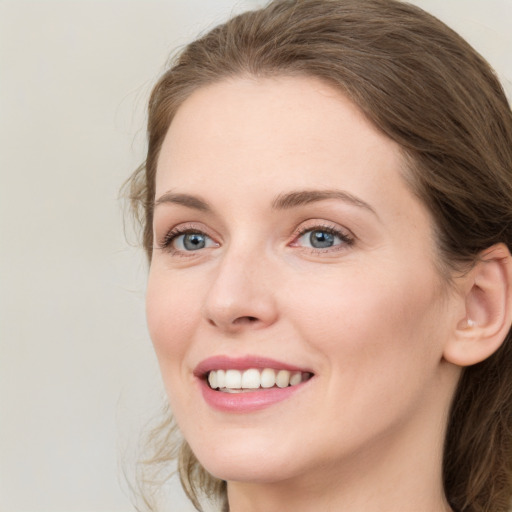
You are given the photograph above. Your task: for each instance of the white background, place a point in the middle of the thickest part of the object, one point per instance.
(78, 378)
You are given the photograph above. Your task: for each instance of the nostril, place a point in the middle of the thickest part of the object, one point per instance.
(245, 320)
(242, 320)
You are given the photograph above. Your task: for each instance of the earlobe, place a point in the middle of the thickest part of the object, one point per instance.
(488, 309)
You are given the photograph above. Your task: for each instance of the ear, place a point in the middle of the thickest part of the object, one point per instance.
(487, 291)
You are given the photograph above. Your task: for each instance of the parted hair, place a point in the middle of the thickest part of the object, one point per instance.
(427, 89)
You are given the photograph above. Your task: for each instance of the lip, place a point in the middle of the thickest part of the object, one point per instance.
(248, 401)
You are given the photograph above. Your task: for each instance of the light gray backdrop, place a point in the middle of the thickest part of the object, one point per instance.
(78, 378)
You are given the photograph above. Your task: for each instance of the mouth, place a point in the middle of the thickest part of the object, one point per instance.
(247, 384)
(252, 379)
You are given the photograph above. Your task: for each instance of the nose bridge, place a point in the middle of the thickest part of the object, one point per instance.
(240, 293)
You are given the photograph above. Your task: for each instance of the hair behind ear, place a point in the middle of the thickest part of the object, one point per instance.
(478, 445)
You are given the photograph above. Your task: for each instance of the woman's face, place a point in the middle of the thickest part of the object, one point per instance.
(286, 240)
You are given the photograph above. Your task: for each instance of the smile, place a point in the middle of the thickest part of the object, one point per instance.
(247, 384)
(237, 381)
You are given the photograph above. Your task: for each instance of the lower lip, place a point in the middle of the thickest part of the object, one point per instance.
(247, 401)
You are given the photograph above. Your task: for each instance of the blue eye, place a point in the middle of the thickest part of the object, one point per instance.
(192, 241)
(187, 241)
(322, 238)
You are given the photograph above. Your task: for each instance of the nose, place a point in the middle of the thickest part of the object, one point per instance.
(241, 294)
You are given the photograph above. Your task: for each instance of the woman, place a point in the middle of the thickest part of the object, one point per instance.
(327, 206)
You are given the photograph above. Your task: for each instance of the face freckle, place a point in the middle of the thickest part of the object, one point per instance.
(293, 239)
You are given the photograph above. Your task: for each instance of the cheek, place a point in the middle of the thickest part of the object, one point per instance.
(170, 313)
(369, 318)
(380, 347)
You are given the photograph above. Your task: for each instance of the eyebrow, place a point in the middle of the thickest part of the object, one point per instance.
(303, 197)
(185, 200)
(281, 202)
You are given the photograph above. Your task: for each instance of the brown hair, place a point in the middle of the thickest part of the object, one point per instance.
(424, 87)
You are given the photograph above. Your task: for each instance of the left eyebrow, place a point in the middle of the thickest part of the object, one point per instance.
(303, 197)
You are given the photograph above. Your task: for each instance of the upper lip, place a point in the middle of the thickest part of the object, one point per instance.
(243, 363)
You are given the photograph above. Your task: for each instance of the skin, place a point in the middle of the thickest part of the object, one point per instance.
(370, 318)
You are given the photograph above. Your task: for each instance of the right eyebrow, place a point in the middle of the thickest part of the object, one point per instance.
(183, 199)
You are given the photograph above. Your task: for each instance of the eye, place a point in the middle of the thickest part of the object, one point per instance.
(322, 238)
(319, 239)
(182, 241)
(192, 241)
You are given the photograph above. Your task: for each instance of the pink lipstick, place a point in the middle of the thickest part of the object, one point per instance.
(249, 383)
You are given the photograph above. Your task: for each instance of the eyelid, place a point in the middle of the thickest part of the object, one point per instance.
(319, 224)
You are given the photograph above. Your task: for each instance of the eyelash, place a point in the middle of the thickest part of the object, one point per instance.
(347, 240)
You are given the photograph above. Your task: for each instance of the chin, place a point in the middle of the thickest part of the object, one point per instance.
(248, 471)
(247, 461)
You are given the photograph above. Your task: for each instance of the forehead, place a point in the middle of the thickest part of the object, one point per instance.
(255, 127)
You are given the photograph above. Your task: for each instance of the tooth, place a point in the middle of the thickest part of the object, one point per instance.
(251, 379)
(268, 378)
(212, 379)
(221, 378)
(233, 379)
(296, 378)
(283, 378)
